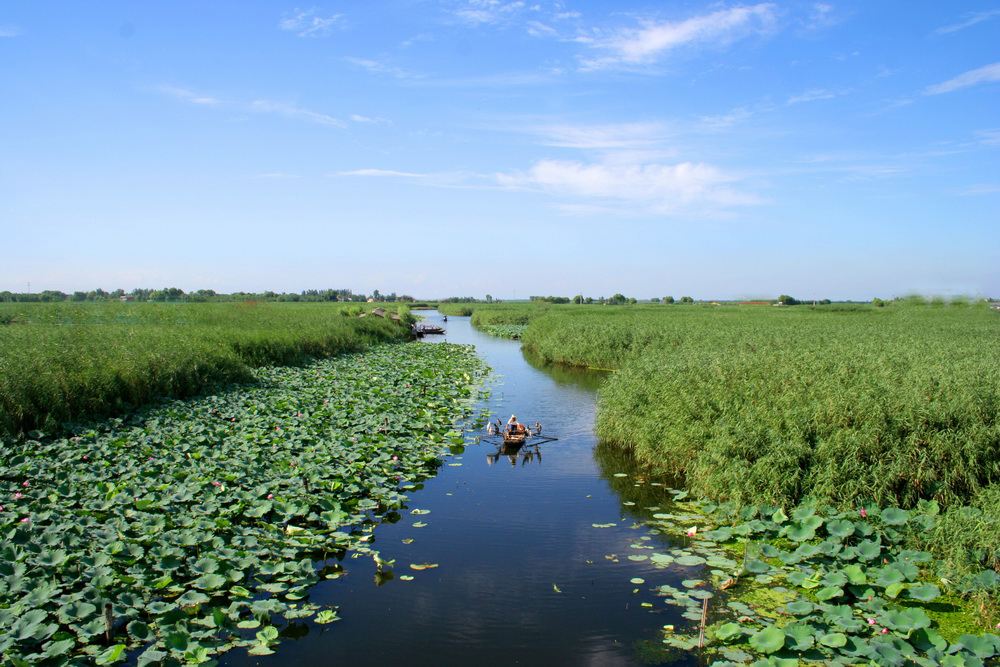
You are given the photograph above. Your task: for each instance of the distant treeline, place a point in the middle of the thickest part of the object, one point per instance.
(177, 294)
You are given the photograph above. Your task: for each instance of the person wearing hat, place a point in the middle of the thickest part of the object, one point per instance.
(514, 427)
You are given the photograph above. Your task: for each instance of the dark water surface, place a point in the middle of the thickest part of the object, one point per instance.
(505, 535)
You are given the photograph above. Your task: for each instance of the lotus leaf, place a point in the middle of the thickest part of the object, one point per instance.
(728, 631)
(768, 640)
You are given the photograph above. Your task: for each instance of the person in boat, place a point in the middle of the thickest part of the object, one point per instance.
(514, 427)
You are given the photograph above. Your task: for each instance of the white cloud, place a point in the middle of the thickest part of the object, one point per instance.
(600, 137)
(9, 31)
(293, 111)
(721, 122)
(639, 188)
(381, 173)
(982, 189)
(359, 118)
(188, 96)
(380, 67)
(308, 23)
(479, 12)
(539, 29)
(645, 45)
(989, 137)
(985, 74)
(969, 21)
(812, 95)
(262, 106)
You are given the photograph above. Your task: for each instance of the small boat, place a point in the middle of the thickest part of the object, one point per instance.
(514, 438)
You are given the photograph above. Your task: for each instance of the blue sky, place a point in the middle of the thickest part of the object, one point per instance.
(820, 149)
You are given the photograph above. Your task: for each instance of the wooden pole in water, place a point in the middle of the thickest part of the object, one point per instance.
(704, 620)
(108, 621)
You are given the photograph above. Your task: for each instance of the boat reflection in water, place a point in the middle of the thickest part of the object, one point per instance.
(513, 451)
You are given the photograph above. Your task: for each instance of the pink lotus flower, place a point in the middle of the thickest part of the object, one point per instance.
(86, 458)
(301, 415)
(277, 428)
(885, 631)
(150, 458)
(1, 508)
(395, 458)
(18, 495)
(270, 496)
(215, 483)
(25, 484)
(692, 531)
(25, 520)
(871, 621)
(864, 513)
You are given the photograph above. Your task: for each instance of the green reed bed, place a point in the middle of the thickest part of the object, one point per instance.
(200, 526)
(67, 361)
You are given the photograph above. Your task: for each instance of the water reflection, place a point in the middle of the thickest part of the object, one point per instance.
(512, 451)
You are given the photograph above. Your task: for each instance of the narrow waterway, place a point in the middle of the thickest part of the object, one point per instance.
(523, 576)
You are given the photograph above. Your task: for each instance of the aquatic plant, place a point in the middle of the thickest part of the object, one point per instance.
(76, 361)
(199, 526)
(844, 589)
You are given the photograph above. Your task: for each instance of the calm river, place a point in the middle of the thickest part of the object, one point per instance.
(524, 577)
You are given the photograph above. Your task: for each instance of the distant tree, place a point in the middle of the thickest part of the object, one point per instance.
(825, 302)
(79, 296)
(668, 299)
(578, 299)
(489, 298)
(655, 299)
(786, 300)
(878, 303)
(618, 299)
(633, 300)
(589, 299)
(687, 299)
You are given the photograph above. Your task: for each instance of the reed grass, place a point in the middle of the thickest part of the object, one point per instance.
(76, 361)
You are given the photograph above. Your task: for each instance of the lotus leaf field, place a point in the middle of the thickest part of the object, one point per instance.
(199, 526)
(843, 586)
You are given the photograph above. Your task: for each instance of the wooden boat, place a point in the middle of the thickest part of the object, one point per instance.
(514, 438)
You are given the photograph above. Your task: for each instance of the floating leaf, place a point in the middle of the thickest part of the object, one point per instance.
(768, 640)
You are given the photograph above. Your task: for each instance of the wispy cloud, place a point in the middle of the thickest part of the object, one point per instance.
(308, 22)
(813, 95)
(187, 95)
(294, 111)
(989, 137)
(381, 67)
(644, 189)
(9, 31)
(647, 44)
(260, 106)
(479, 12)
(721, 122)
(822, 15)
(599, 137)
(968, 21)
(381, 173)
(981, 189)
(359, 118)
(985, 74)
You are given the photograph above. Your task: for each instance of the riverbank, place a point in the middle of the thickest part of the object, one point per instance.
(196, 527)
(65, 362)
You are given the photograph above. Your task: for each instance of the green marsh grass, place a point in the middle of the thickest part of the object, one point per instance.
(67, 361)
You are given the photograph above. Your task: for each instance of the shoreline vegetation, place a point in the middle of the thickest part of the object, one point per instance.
(72, 362)
(194, 527)
(894, 404)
